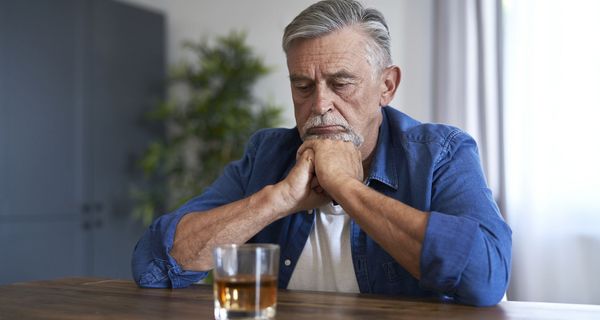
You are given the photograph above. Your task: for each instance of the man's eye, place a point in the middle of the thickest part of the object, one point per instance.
(302, 87)
(340, 85)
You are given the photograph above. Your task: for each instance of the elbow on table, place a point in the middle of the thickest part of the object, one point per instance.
(148, 281)
(151, 270)
(157, 273)
(486, 279)
(147, 274)
(156, 277)
(481, 297)
(486, 291)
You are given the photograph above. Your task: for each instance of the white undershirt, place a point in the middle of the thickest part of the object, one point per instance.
(326, 260)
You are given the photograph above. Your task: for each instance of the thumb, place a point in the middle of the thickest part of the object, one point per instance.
(306, 160)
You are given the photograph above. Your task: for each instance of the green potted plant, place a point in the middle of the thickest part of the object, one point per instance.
(206, 127)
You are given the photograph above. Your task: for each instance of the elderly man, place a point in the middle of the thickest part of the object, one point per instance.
(360, 197)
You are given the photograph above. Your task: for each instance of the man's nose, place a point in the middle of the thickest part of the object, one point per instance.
(323, 100)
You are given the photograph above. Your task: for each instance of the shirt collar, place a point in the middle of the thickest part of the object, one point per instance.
(383, 168)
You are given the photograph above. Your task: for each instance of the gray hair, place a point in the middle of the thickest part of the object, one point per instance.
(328, 16)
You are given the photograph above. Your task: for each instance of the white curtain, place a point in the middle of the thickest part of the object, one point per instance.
(552, 86)
(527, 89)
(467, 83)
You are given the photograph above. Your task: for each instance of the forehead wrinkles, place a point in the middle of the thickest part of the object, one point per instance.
(322, 65)
(326, 55)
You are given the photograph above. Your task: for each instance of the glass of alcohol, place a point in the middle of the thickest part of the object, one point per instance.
(245, 281)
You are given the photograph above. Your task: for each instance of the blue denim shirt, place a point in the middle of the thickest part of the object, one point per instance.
(466, 253)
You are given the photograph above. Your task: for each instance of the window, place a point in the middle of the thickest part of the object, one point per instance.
(552, 147)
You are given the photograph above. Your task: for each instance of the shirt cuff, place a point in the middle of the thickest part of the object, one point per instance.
(166, 265)
(446, 249)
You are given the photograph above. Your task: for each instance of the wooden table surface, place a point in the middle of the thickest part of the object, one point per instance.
(92, 298)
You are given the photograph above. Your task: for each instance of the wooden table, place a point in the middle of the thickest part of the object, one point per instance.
(91, 298)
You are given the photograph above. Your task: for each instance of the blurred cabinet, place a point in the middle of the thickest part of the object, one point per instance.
(75, 79)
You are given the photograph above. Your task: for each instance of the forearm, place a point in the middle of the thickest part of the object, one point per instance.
(198, 232)
(398, 228)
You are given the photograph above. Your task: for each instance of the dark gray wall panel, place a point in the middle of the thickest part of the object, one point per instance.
(32, 250)
(76, 77)
(129, 47)
(40, 151)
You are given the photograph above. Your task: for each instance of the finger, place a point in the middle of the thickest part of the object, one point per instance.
(307, 155)
(305, 146)
(306, 161)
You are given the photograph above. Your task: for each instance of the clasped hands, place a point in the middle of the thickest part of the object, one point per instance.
(323, 167)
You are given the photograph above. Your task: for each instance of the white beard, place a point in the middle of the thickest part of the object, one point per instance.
(330, 120)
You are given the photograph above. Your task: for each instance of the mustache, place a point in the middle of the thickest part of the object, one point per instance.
(325, 120)
(348, 133)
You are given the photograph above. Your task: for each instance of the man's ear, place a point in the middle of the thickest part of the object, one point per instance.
(390, 80)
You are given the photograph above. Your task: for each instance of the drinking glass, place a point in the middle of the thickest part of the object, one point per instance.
(245, 281)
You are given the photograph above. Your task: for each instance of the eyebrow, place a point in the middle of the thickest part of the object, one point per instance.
(342, 75)
(297, 77)
(337, 75)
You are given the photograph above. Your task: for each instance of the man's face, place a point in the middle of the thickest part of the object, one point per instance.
(336, 92)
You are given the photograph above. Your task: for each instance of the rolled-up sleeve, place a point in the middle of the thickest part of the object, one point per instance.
(466, 252)
(152, 264)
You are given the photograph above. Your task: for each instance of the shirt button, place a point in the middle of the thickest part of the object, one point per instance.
(287, 262)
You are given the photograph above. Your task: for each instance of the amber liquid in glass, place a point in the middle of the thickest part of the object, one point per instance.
(241, 293)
